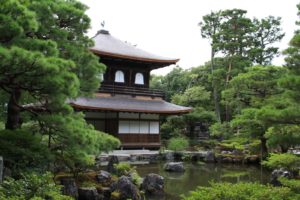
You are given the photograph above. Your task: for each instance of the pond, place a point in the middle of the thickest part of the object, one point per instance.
(200, 175)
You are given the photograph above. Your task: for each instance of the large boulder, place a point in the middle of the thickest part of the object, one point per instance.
(209, 156)
(1, 169)
(126, 189)
(69, 187)
(89, 193)
(277, 173)
(110, 167)
(104, 177)
(153, 184)
(174, 167)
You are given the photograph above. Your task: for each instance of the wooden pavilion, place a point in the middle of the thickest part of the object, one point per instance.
(124, 106)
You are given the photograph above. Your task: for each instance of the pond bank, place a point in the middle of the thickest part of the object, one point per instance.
(150, 156)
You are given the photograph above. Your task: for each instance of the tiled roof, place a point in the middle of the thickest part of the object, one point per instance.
(107, 45)
(128, 104)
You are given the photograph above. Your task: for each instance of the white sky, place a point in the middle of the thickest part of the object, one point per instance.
(170, 27)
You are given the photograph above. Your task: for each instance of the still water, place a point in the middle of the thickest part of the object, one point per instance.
(200, 175)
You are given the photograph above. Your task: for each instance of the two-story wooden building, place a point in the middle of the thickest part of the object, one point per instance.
(124, 106)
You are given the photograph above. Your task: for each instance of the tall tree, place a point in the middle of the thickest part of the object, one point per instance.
(235, 37)
(44, 61)
(42, 41)
(284, 112)
(234, 42)
(210, 27)
(267, 32)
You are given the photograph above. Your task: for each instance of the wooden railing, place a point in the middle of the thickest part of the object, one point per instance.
(134, 91)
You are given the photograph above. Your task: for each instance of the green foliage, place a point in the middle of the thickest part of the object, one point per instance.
(174, 82)
(287, 161)
(199, 114)
(123, 168)
(194, 96)
(267, 31)
(83, 141)
(234, 174)
(23, 149)
(178, 144)
(45, 62)
(221, 130)
(31, 186)
(252, 88)
(293, 184)
(173, 127)
(241, 191)
(283, 136)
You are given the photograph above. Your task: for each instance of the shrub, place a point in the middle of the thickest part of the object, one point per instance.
(287, 161)
(123, 169)
(221, 130)
(178, 144)
(241, 191)
(127, 170)
(293, 184)
(31, 186)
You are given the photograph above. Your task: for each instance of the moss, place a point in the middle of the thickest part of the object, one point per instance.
(115, 195)
(234, 174)
(61, 175)
(87, 184)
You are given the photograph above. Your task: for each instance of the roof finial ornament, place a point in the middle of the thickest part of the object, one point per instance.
(102, 30)
(103, 24)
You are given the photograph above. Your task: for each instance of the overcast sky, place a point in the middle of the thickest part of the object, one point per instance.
(170, 27)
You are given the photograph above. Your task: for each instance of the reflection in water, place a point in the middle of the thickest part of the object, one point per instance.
(200, 175)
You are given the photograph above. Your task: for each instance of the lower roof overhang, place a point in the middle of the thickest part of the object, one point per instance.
(121, 103)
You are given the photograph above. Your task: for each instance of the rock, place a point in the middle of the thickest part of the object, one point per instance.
(252, 159)
(178, 156)
(126, 189)
(237, 152)
(227, 160)
(174, 167)
(133, 158)
(277, 173)
(104, 177)
(110, 167)
(153, 159)
(209, 157)
(169, 155)
(1, 169)
(225, 152)
(105, 191)
(69, 187)
(7, 172)
(88, 194)
(153, 184)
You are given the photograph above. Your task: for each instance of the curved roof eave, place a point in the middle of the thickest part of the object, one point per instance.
(115, 55)
(91, 108)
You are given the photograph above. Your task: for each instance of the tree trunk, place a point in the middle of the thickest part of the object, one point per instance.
(215, 92)
(284, 149)
(228, 72)
(227, 109)
(264, 148)
(13, 111)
